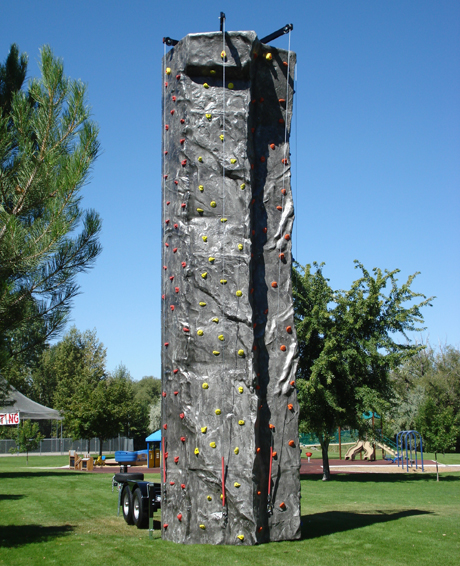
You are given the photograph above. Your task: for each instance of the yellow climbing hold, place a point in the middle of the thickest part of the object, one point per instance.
(243, 186)
(218, 411)
(269, 56)
(206, 85)
(200, 159)
(204, 238)
(208, 116)
(236, 484)
(223, 55)
(223, 220)
(212, 72)
(215, 319)
(216, 353)
(222, 137)
(200, 210)
(205, 385)
(213, 204)
(241, 353)
(223, 281)
(200, 332)
(241, 537)
(240, 246)
(201, 188)
(209, 498)
(221, 337)
(239, 293)
(230, 85)
(233, 161)
(240, 389)
(196, 451)
(212, 259)
(212, 444)
(168, 70)
(237, 450)
(204, 429)
(202, 304)
(202, 527)
(241, 422)
(221, 496)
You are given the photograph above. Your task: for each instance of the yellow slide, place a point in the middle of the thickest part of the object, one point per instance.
(360, 446)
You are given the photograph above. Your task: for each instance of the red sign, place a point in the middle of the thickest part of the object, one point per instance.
(9, 418)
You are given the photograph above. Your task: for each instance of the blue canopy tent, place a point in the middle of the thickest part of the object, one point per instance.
(155, 440)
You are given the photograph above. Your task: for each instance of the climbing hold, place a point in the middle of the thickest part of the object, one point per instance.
(281, 121)
(241, 353)
(183, 205)
(240, 389)
(212, 72)
(200, 332)
(202, 304)
(293, 383)
(179, 516)
(212, 444)
(212, 259)
(165, 426)
(230, 86)
(283, 191)
(216, 353)
(164, 267)
(181, 141)
(168, 71)
(176, 392)
(259, 529)
(221, 137)
(215, 319)
(196, 451)
(166, 344)
(263, 159)
(174, 250)
(291, 443)
(176, 289)
(274, 284)
(201, 188)
(236, 450)
(166, 127)
(259, 493)
(213, 204)
(240, 246)
(172, 111)
(282, 505)
(182, 121)
(204, 238)
(176, 459)
(223, 220)
(236, 484)
(206, 85)
(166, 244)
(233, 161)
(289, 329)
(200, 210)
(279, 208)
(209, 116)
(239, 293)
(176, 226)
(269, 56)
(284, 161)
(287, 237)
(223, 281)
(271, 426)
(290, 406)
(171, 278)
(202, 527)
(182, 415)
(243, 186)
(167, 221)
(204, 275)
(205, 385)
(274, 454)
(168, 202)
(185, 329)
(281, 256)
(164, 393)
(241, 422)
(175, 370)
(209, 498)
(200, 159)
(218, 411)
(177, 77)
(183, 264)
(221, 337)
(223, 55)
(165, 525)
(283, 348)
(204, 429)
(272, 145)
(182, 485)
(183, 163)
(182, 438)
(257, 450)
(174, 99)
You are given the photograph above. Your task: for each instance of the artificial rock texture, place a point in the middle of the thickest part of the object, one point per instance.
(231, 456)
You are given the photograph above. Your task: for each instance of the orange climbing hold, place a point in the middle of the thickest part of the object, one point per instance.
(271, 426)
(262, 159)
(274, 284)
(290, 406)
(293, 383)
(283, 348)
(279, 208)
(257, 450)
(281, 256)
(284, 161)
(272, 145)
(282, 505)
(291, 443)
(274, 454)
(283, 191)
(287, 237)
(289, 329)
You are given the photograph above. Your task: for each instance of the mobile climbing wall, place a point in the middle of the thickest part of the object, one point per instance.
(230, 451)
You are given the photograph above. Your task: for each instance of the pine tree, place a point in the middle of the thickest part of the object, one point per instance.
(47, 147)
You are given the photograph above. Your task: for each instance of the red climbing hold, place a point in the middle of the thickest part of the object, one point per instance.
(176, 182)
(176, 459)
(183, 205)
(274, 284)
(182, 140)
(165, 176)
(289, 329)
(179, 516)
(165, 525)
(253, 101)
(182, 438)
(176, 289)
(281, 100)
(171, 278)
(174, 250)
(284, 161)
(281, 121)
(254, 348)
(252, 165)
(165, 426)
(167, 221)
(174, 99)
(176, 392)
(172, 483)
(263, 159)
(287, 237)
(166, 153)
(184, 264)
(185, 329)
(172, 307)
(290, 406)
(176, 226)
(164, 393)
(168, 202)
(253, 130)
(261, 99)
(266, 311)
(279, 208)
(177, 77)
(163, 297)
(166, 244)
(183, 163)
(182, 415)
(253, 232)
(175, 370)
(182, 121)
(164, 267)
(166, 344)
(265, 230)
(285, 63)
(182, 485)
(166, 85)
(283, 348)
(172, 111)
(166, 127)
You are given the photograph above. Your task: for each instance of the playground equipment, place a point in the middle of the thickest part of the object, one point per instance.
(361, 446)
(402, 438)
(83, 463)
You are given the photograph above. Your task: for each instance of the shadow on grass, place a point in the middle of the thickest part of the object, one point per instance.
(331, 522)
(11, 497)
(20, 535)
(383, 478)
(38, 474)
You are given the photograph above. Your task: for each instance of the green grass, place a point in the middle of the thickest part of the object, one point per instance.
(69, 518)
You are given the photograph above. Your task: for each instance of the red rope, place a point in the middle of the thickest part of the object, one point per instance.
(223, 483)
(270, 470)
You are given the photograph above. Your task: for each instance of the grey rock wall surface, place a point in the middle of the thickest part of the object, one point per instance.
(231, 457)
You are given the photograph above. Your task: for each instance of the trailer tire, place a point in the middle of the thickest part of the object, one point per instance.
(127, 505)
(121, 478)
(140, 512)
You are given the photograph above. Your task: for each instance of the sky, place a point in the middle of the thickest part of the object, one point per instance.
(375, 144)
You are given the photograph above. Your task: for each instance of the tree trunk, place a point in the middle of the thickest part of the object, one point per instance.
(324, 448)
(88, 441)
(101, 440)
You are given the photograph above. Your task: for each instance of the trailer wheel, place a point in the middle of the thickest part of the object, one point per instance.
(140, 513)
(127, 504)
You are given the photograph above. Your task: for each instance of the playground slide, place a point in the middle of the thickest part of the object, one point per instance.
(368, 451)
(387, 449)
(360, 446)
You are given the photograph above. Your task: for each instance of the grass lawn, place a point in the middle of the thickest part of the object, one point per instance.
(69, 518)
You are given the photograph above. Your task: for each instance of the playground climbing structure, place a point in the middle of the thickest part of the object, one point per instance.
(230, 453)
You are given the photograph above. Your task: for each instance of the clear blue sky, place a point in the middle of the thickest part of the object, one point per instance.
(376, 143)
